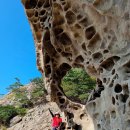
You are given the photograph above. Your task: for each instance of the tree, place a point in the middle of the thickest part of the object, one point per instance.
(77, 84)
(39, 83)
(15, 86)
(39, 91)
(21, 96)
(20, 93)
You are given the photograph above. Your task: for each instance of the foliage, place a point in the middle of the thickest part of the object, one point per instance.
(22, 99)
(39, 91)
(21, 96)
(21, 111)
(77, 84)
(7, 113)
(38, 81)
(13, 87)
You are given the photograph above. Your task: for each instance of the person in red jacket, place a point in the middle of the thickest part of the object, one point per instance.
(56, 121)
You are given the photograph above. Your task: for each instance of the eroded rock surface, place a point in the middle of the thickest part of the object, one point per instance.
(94, 35)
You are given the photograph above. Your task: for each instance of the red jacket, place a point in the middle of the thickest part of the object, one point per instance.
(56, 121)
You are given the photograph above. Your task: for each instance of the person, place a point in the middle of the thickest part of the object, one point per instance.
(56, 121)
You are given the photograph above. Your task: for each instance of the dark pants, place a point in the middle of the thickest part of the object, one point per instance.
(54, 128)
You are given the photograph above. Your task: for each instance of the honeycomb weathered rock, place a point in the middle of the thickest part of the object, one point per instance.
(94, 35)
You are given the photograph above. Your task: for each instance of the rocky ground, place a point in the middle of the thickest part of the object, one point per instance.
(37, 118)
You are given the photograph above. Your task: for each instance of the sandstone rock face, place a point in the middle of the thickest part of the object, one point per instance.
(94, 35)
(15, 120)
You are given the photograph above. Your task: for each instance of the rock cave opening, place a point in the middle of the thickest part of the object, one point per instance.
(77, 85)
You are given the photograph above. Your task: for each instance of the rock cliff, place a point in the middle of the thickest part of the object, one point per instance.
(94, 35)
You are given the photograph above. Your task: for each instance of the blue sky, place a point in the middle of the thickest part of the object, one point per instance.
(17, 52)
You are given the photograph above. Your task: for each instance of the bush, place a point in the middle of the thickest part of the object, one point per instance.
(21, 97)
(39, 91)
(21, 111)
(77, 85)
(24, 98)
(7, 113)
(19, 92)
